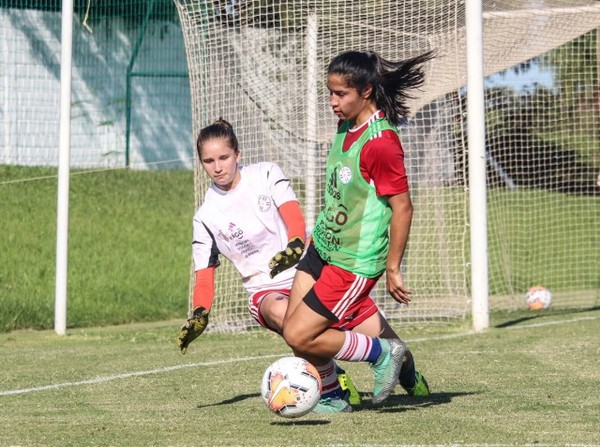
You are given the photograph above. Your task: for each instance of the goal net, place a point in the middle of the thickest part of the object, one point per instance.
(261, 65)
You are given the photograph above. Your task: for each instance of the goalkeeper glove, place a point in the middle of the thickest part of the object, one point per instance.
(193, 328)
(287, 258)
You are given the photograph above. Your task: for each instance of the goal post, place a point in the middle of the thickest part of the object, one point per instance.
(477, 167)
(62, 208)
(261, 65)
(310, 206)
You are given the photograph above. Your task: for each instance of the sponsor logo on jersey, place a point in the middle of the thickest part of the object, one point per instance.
(345, 175)
(235, 232)
(264, 203)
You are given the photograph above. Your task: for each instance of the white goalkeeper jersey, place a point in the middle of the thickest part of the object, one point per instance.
(244, 225)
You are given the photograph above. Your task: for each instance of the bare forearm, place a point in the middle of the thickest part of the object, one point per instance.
(402, 212)
(399, 230)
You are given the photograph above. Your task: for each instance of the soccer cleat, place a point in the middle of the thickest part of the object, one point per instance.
(330, 405)
(387, 368)
(421, 387)
(347, 386)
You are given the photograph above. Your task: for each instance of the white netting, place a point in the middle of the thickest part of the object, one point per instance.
(261, 65)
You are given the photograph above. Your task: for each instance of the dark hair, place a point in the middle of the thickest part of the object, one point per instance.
(389, 80)
(218, 129)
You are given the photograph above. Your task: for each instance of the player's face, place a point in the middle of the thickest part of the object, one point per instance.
(220, 161)
(347, 103)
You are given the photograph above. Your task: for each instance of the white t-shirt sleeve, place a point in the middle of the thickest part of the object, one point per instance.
(279, 185)
(204, 248)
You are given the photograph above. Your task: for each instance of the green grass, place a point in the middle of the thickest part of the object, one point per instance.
(129, 246)
(530, 379)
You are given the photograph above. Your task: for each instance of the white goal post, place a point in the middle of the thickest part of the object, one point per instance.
(62, 209)
(260, 64)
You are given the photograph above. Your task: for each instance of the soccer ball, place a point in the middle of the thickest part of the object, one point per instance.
(538, 298)
(291, 387)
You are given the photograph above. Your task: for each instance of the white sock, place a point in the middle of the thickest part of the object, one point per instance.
(356, 348)
(329, 380)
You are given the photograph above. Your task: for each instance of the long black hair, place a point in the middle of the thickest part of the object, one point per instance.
(390, 80)
(218, 129)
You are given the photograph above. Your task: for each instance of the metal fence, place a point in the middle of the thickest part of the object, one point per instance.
(130, 89)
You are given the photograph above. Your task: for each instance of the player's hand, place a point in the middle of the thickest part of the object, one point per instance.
(286, 258)
(396, 287)
(193, 328)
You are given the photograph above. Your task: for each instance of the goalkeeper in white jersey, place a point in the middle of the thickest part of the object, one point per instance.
(251, 216)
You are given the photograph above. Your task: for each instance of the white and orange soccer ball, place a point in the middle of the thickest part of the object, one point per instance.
(291, 387)
(538, 298)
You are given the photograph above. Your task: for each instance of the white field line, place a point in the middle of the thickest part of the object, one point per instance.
(104, 379)
(551, 323)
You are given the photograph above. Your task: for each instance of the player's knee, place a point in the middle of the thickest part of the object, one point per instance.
(294, 337)
(288, 334)
(274, 315)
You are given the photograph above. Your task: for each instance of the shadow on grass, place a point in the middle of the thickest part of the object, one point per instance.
(241, 397)
(303, 421)
(233, 400)
(399, 403)
(543, 314)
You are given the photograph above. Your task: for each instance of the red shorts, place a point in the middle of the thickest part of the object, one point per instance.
(338, 295)
(255, 301)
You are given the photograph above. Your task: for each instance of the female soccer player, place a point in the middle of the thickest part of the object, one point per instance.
(364, 226)
(251, 216)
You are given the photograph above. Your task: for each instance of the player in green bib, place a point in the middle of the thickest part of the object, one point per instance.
(363, 229)
(351, 233)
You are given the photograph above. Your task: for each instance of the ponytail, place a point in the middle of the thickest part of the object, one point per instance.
(389, 80)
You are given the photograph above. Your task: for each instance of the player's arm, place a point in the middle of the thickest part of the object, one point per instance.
(402, 211)
(204, 292)
(383, 161)
(206, 259)
(291, 214)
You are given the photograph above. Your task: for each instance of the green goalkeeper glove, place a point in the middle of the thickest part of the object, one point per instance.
(193, 328)
(287, 258)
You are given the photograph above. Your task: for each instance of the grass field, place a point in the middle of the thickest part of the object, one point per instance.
(531, 379)
(130, 238)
